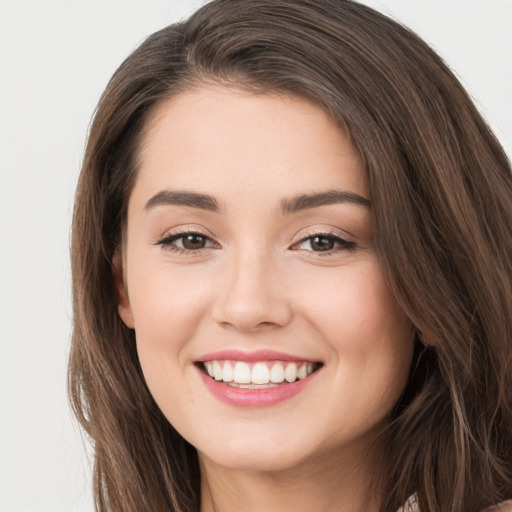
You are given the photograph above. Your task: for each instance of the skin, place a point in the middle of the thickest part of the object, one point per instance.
(259, 283)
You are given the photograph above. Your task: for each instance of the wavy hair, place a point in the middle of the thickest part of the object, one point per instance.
(441, 190)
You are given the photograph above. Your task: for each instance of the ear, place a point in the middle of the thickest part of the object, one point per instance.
(123, 302)
(423, 340)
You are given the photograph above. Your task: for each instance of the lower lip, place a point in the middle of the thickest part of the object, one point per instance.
(241, 397)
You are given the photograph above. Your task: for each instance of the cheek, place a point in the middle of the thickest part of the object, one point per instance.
(168, 308)
(370, 338)
(166, 303)
(354, 303)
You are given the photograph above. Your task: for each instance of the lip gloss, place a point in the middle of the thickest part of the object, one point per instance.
(243, 397)
(257, 355)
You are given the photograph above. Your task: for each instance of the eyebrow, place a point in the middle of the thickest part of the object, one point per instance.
(179, 198)
(307, 201)
(288, 206)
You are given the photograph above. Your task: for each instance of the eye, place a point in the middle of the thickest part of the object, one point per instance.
(193, 241)
(187, 242)
(325, 243)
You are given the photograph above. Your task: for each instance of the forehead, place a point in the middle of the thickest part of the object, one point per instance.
(226, 141)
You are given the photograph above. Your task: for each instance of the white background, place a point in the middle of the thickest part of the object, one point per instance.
(55, 59)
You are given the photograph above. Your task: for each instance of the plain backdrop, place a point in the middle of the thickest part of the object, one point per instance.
(55, 59)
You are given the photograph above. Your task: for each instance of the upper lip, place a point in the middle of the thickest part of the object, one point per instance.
(250, 356)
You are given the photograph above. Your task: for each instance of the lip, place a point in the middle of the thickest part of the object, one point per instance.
(242, 397)
(257, 355)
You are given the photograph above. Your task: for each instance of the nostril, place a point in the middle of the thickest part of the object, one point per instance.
(251, 307)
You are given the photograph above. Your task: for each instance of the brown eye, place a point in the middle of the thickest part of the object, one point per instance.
(193, 241)
(187, 242)
(325, 243)
(322, 243)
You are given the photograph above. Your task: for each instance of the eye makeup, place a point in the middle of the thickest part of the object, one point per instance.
(322, 243)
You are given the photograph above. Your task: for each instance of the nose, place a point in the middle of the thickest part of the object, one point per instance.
(252, 297)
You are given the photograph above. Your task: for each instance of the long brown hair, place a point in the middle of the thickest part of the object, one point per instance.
(441, 190)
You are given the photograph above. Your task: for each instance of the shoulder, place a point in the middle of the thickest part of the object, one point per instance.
(506, 506)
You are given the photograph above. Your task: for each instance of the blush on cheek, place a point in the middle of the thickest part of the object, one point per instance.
(170, 300)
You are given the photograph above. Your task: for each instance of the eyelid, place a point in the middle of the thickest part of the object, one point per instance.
(346, 243)
(185, 229)
(326, 231)
(343, 242)
(165, 240)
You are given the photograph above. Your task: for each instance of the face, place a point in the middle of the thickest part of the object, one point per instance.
(264, 327)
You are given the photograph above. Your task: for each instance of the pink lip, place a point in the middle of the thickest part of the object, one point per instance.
(240, 397)
(257, 355)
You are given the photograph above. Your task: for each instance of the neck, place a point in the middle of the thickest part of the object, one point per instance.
(335, 482)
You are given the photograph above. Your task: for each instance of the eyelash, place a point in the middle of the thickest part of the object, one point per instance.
(168, 242)
(341, 244)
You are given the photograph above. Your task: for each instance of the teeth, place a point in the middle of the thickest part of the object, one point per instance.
(242, 373)
(217, 370)
(252, 386)
(209, 368)
(277, 373)
(260, 374)
(263, 374)
(227, 373)
(290, 372)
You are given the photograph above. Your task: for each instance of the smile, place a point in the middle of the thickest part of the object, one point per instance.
(258, 375)
(257, 379)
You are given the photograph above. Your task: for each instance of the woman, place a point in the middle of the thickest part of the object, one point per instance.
(292, 272)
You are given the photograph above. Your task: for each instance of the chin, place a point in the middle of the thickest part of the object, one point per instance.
(254, 453)
(256, 459)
